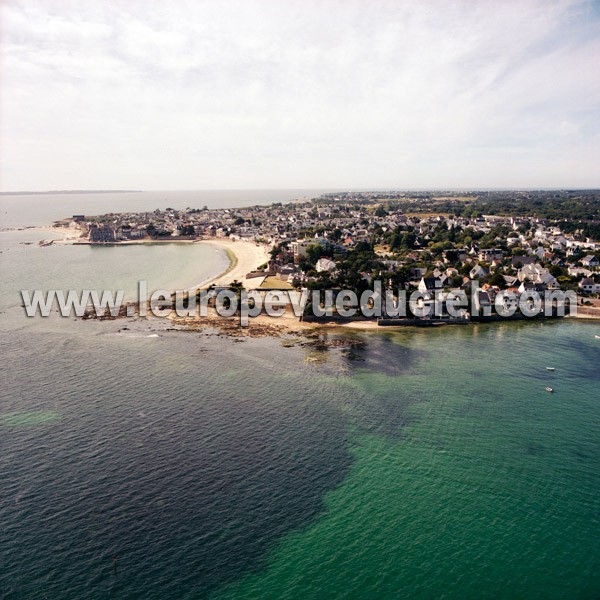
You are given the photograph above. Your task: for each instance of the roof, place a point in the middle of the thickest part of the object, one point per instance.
(524, 260)
(431, 283)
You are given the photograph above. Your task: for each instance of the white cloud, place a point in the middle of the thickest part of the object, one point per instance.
(300, 94)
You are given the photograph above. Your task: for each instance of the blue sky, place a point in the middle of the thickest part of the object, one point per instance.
(259, 94)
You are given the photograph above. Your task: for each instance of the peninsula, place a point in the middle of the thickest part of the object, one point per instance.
(437, 243)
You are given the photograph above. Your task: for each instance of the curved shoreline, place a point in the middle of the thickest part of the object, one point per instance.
(244, 257)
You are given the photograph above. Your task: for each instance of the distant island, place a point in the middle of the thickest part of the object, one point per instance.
(28, 193)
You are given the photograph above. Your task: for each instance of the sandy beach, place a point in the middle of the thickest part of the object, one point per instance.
(69, 235)
(247, 256)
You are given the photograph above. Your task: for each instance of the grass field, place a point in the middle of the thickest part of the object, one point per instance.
(274, 283)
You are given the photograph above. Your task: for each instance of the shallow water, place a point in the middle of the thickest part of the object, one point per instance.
(429, 464)
(27, 266)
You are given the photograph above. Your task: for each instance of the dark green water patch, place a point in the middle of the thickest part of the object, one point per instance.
(189, 466)
(28, 419)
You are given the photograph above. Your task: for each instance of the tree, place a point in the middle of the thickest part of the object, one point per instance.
(497, 280)
(188, 230)
(336, 234)
(456, 281)
(408, 240)
(314, 252)
(281, 248)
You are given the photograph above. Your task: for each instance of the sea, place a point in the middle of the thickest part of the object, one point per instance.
(427, 464)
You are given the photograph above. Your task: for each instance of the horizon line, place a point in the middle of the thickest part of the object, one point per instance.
(340, 189)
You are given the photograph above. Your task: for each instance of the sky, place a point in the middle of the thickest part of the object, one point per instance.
(174, 95)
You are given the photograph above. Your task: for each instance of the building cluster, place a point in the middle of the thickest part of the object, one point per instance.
(516, 253)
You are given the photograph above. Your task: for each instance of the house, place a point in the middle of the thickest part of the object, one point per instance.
(443, 277)
(483, 302)
(478, 271)
(299, 248)
(466, 284)
(520, 261)
(451, 305)
(285, 272)
(576, 271)
(589, 286)
(490, 254)
(429, 284)
(529, 272)
(510, 280)
(456, 255)
(325, 264)
(530, 286)
(127, 232)
(417, 272)
(508, 301)
(590, 261)
(103, 233)
(537, 274)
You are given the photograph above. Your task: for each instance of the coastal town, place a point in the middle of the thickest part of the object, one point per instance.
(507, 243)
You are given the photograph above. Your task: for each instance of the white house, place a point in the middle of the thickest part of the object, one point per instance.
(589, 286)
(325, 264)
(575, 271)
(478, 271)
(537, 274)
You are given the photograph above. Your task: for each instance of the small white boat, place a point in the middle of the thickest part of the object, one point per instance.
(549, 389)
(597, 337)
(549, 368)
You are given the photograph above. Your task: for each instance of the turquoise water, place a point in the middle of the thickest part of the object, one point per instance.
(469, 482)
(430, 464)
